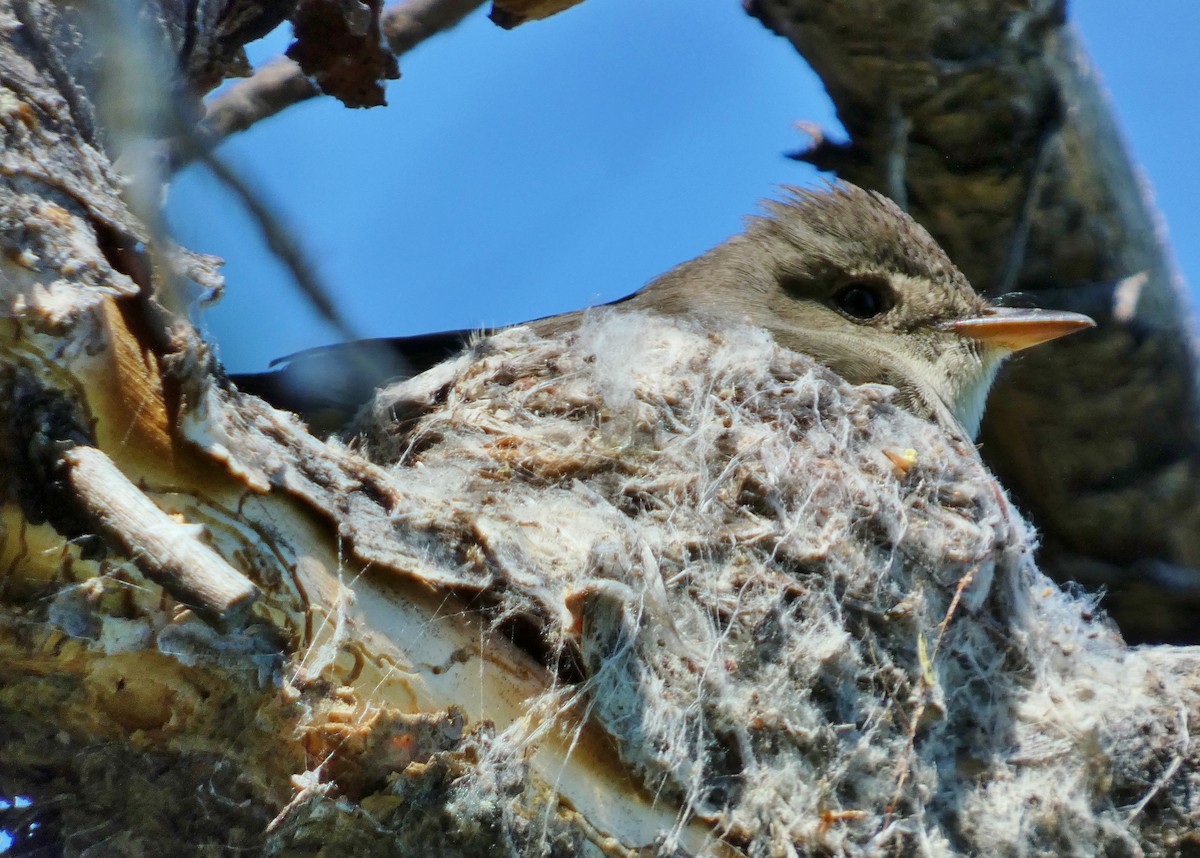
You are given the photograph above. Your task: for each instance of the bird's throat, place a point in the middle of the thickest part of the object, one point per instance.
(969, 403)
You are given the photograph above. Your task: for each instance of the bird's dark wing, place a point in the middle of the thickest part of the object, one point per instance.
(327, 386)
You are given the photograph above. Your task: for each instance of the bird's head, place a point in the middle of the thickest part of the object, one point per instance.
(845, 276)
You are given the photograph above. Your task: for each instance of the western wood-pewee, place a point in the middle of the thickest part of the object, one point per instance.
(840, 274)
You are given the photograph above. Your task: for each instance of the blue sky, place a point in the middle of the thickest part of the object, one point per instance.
(565, 163)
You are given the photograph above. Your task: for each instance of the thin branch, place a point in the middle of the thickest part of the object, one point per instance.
(406, 25)
(279, 239)
(1014, 261)
(273, 87)
(280, 84)
(896, 159)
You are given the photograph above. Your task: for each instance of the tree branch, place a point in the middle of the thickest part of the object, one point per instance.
(280, 84)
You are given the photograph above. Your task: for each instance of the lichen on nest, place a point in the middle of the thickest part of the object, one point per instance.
(798, 610)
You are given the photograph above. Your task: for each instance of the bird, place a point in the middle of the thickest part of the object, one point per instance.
(838, 273)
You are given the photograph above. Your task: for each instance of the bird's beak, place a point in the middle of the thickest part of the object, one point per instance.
(1013, 328)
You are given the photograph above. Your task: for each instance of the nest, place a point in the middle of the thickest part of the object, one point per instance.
(798, 610)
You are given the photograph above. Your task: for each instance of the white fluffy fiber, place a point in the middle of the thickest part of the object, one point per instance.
(799, 611)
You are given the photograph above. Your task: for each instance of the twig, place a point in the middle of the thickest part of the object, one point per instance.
(279, 240)
(926, 683)
(1172, 769)
(273, 87)
(896, 159)
(1014, 261)
(166, 550)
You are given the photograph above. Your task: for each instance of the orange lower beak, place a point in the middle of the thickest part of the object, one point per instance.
(1013, 329)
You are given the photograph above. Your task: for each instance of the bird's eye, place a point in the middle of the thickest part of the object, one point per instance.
(863, 299)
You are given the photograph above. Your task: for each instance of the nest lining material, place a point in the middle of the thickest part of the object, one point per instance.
(799, 610)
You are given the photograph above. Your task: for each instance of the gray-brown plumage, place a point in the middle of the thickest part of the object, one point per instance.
(840, 274)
